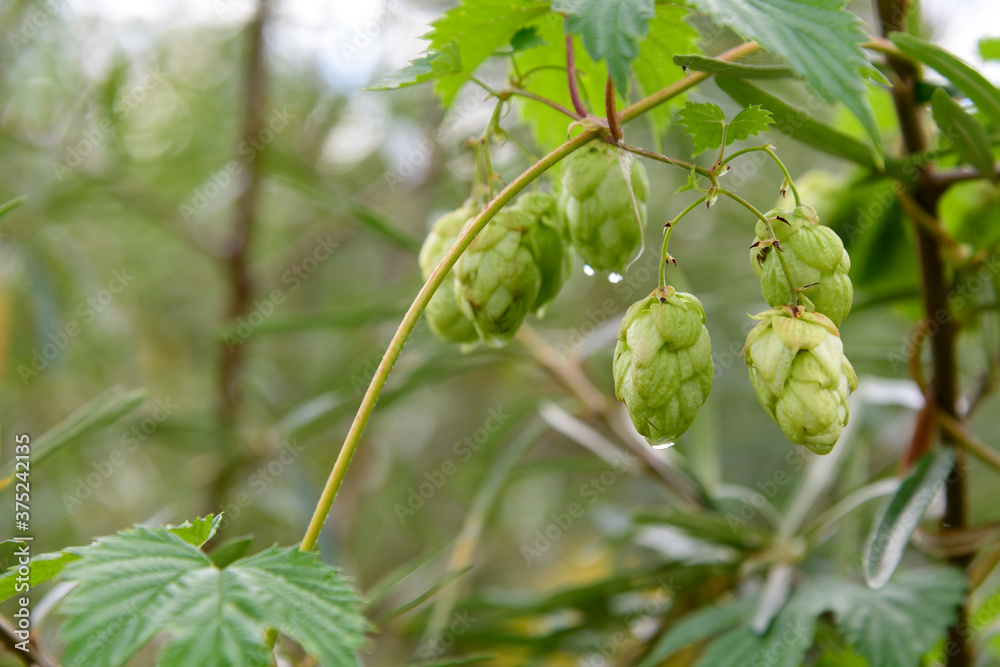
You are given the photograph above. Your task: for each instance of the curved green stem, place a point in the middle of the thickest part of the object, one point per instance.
(437, 276)
(485, 141)
(774, 156)
(770, 230)
(664, 257)
(784, 170)
(666, 159)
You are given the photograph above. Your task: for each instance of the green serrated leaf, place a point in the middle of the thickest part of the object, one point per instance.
(145, 582)
(989, 48)
(895, 625)
(968, 80)
(475, 29)
(736, 70)
(429, 67)
(747, 123)
(692, 182)
(669, 34)
(611, 31)
(800, 125)
(819, 39)
(891, 532)
(199, 531)
(964, 132)
(705, 123)
(526, 38)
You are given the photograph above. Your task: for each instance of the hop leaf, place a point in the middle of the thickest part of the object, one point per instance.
(663, 363)
(144, 582)
(816, 259)
(596, 204)
(800, 375)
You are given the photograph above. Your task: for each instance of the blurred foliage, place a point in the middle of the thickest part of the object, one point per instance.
(124, 140)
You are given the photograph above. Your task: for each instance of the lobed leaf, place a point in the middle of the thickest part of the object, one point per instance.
(819, 39)
(145, 582)
(611, 31)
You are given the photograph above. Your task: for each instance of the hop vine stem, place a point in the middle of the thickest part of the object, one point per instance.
(437, 276)
(927, 193)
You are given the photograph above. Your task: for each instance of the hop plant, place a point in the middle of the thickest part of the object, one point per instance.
(800, 375)
(816, 259)
(596, 204)
(445, 318)
(663, 363)
(545, 240)
(515, 266)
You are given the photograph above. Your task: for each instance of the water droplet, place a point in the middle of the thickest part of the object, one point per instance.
(664, 445)
(588, 269)
(615, 278)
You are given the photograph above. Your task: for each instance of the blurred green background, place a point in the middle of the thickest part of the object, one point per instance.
(121, 127)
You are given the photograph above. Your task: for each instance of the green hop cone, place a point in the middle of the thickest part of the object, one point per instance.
(815, 257)
(663, 363)
(800, 375)
(443, 314)
(545, 241)
(596, 205)
(515, 266)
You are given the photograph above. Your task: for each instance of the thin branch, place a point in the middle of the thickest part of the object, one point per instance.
(609, 106)
(236, 253)
(544, 100)
(34, 655)
(666, 159)
(968, 441)
(574, 87)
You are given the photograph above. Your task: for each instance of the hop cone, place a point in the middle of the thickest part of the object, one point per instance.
(515, 266)
(545, 241)
(597, 206)
(815, 256)
(800, 375)
(663, 363)
(443, 314)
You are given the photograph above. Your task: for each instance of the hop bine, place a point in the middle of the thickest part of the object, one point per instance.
(663, 363)
(815, 256)
(596, 204)
(800, 375)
